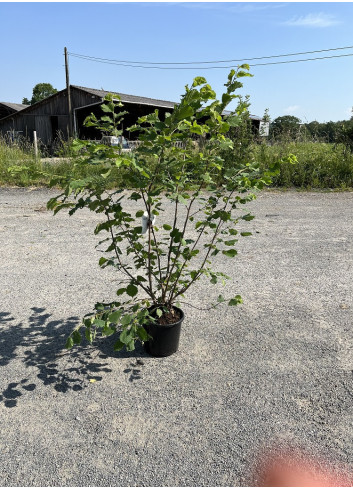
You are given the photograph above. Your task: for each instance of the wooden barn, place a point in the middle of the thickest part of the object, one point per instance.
(50, 117)
(8, 108)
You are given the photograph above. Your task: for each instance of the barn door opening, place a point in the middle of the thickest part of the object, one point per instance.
(54, 121)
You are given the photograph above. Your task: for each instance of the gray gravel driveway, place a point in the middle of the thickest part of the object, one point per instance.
(278, 369)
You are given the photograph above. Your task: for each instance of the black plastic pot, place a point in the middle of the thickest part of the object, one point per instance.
(165, 339)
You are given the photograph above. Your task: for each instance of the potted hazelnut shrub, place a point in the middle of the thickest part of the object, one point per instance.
(159, 259)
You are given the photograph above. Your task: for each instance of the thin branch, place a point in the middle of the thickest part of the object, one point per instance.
(184, 289)
(170, 245)
(122, 267)
(184, 229)
(203, 308)
(129, 238)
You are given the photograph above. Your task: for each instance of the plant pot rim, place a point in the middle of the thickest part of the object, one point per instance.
(182, 315)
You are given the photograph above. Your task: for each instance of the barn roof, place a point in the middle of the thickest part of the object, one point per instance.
(16, 107)
(134, 99)
(253, 117)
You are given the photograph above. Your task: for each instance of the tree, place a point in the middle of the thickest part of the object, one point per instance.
(288, 125)
(40, 92)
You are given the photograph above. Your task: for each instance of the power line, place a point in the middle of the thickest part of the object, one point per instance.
(300, 60)
(116, 63)
(206, 62)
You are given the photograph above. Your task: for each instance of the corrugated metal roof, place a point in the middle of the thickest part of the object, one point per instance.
(254, 117)
(133, 99)
(16, 107)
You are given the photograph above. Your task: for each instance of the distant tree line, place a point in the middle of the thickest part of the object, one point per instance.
(290, 127)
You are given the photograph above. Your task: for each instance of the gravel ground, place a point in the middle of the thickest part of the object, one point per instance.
(275, 370)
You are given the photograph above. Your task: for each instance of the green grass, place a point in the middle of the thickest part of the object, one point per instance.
(320, 166)
(12, 155)
(22, 156)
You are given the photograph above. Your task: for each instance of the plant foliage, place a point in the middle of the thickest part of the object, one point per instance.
(177, 165)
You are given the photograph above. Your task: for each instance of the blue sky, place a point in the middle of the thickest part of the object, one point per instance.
(35, 35)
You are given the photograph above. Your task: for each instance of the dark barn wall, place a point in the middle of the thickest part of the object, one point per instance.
(255, 125)
(18, 123)
(134, 112)
(80, 98)
(49, 118)
(45, 125)
(5, 111)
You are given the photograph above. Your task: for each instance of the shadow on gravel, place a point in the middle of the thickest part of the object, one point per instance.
(105, 345)
(41, 343)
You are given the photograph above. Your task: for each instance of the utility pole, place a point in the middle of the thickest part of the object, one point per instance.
(68, 92)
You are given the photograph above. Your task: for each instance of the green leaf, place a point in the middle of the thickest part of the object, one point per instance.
(159, 313)
(235, 301)
(185, 112)
(196, 128)
(220, 298)
(248, 217)
(102, 260)
(106, 108)
(243, 73)
(107, 330)
(142, 333)
(224, 127)
(231, 242)
(114, 316)
(231, 253)
(244, 233)
(139, 214)
(126, 336)
(140, 278)
(99, 323)
(89, 335)
(126, 320)
(130, 346)
(121, 291)
(119, 345)
(76, 336)
(69, 343)
(167, 227)
(234, 120)
(226, 98)
(176, 235)
(198, 80)
(88, 322)
(131, 290)
(106, 174)
(135, 196)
